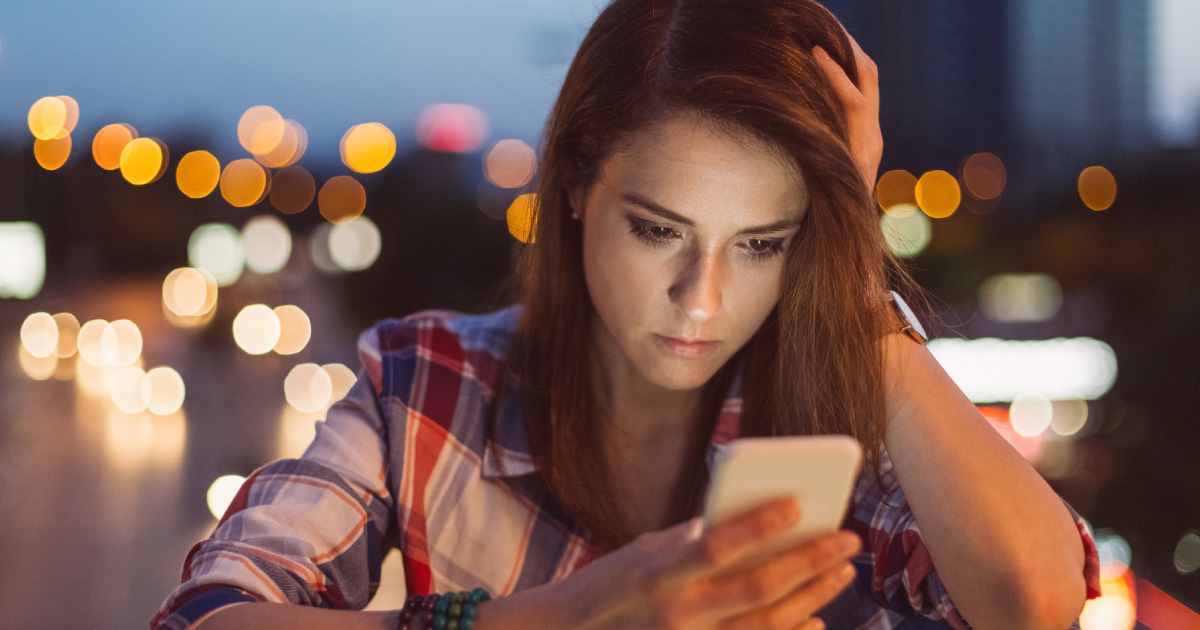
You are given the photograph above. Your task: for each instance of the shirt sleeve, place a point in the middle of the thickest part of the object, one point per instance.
(903, 578)
(310, 531)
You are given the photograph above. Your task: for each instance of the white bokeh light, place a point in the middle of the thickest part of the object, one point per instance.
(308, 388)
(267, 242)
(221, 493)
(218, 248)
(256, 329)
(355, 245)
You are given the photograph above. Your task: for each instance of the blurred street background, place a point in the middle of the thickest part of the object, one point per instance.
(202, 205)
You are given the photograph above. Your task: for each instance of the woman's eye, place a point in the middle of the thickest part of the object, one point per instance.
(761, 248)
(653, 234)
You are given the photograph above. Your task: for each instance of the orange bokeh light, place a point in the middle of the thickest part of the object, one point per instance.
(938, 194)
(341, 199)
(244, 183)
(292, 189)
(1097, 188)
(52, 154)
(198, 174)
(109, 142)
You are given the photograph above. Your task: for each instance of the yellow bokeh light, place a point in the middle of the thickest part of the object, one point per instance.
(36, 368)
(521, 218)
(256, 329)
(341, 199)
(97, 343)
(289, 149)
(48, 118)
(295, 329)
(72, 114)
(895, 188)
(244, 183)
(510, 164)
(129, 343)
(368, 147)
(68, 335)
(260, 129)
(292, 189)
(198, 174)
(938, 194)
(52, 154)
(984, 176)
(308, 388)
(39, 335)
(143, 160)
(163, 391)
(1097, 188)
(109, 144)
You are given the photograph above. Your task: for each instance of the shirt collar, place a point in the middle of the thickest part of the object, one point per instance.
(507, 455)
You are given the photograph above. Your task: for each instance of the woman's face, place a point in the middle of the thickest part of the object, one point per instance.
(684, 234)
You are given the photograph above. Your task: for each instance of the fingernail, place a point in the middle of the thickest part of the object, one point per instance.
(788, 512)
(847, 573)
(820, 52)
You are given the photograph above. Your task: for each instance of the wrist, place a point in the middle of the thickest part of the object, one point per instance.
(537, 607)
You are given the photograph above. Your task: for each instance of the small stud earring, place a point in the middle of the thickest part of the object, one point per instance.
(575, 215)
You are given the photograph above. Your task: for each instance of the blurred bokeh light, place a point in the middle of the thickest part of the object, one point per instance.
(521, 218)
(1011, 297)
(218, 248)
(355, 245)
(256, 329)
(341, 199)
(1097, 187)
(109, 144)
(267, 243)
(197, 174)
(244, 183)
(295, 329)
(454, 127)
(368, 147)
(292, 189)
(22, 259)
(510, 163)
(938, 194)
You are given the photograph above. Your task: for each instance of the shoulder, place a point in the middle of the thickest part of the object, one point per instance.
(398, 353)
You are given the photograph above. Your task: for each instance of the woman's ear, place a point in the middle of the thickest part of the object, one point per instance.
(575, 198)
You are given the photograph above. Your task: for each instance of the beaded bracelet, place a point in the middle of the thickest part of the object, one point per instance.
(448, 611)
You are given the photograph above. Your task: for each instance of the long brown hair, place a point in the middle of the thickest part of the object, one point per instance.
(815, 366)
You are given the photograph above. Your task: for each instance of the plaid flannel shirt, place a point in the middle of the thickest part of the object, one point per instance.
(406, 460)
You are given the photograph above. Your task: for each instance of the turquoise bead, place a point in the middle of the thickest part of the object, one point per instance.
(468, 610)
(467, 624)
(439, 622)
(442, 603)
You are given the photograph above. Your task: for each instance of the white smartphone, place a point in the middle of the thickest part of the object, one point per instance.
(819, 471)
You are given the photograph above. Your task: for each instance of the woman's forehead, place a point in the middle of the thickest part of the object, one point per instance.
(686, 161)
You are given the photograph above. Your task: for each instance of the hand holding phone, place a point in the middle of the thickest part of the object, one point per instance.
(818, 471)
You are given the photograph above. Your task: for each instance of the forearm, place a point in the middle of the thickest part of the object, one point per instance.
(270, 616)
(1002, 541)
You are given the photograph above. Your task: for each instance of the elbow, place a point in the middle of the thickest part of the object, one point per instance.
(1050, 604)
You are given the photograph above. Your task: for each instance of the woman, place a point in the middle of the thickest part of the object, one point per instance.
(706, 263)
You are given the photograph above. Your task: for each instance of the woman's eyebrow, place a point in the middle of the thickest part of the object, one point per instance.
(654, 208)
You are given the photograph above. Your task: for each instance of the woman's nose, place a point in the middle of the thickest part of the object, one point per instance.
(697, 289)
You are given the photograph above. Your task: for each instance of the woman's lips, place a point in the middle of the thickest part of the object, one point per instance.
(681, 348)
